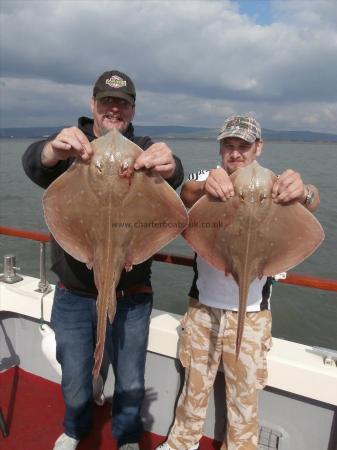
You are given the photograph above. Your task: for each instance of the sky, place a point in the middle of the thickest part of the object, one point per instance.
(193, 62)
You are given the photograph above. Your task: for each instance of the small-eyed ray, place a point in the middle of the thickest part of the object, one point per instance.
(111, 217)
(250, 235)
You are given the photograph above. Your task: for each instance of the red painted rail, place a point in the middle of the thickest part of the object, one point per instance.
(32, 235)
(292, 277)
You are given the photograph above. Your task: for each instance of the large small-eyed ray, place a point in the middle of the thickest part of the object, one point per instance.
(250, 235)
(111, 217)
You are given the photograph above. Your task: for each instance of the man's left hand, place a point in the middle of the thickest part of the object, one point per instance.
(158, 157)
(289, 187)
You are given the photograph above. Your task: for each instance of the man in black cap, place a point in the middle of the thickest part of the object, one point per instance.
(74, 316)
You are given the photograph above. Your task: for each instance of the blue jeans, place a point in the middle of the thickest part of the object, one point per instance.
(74, 320)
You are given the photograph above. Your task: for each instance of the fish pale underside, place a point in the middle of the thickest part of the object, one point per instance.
(111, 217)
(249, 235)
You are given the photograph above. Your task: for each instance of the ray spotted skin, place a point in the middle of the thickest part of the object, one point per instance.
(93, 211)
(255, 235)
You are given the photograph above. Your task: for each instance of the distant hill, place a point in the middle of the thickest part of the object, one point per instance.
(172, 132)
(33, 132)
(176, 132)
(304, 136)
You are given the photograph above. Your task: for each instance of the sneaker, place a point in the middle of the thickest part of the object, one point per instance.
(165, 446)
(65, 442)
(133, 446)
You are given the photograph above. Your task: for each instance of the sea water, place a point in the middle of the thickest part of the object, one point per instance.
(300, 314)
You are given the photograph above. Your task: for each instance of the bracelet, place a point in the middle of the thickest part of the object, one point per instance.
(309, 198)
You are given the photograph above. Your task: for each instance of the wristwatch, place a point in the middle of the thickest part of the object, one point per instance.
(309, 198)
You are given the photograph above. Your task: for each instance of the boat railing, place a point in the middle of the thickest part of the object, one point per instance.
(292, 278)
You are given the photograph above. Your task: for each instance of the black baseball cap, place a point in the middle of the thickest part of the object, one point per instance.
(115, 84)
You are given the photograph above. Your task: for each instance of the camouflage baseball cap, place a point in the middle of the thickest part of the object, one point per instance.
(244, 127)
(115, 84)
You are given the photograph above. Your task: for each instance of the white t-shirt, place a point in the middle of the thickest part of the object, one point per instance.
(220, 291)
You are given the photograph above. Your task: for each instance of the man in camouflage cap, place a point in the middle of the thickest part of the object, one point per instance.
(209, 326)
(244, 127)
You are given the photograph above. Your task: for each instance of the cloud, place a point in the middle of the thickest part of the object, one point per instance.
(192, 61)
(40, 102)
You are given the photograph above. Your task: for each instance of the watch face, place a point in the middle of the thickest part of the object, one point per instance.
(310, 198)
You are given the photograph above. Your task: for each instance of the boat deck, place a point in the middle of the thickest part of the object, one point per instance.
(33, 410)
(297, 410)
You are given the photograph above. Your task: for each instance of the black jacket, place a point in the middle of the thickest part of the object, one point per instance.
(73, 274)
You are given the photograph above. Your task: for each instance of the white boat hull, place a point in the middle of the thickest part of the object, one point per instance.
(298, 407)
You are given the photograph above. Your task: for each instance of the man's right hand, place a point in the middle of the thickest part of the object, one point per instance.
(69, 142)
(219, 184)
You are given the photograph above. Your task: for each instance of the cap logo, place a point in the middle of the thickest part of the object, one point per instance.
(115, 82)
(237, 124)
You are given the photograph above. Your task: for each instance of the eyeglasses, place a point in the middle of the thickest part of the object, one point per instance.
(120, 102)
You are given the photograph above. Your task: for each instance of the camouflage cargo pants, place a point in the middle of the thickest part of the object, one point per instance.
(209, 337)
